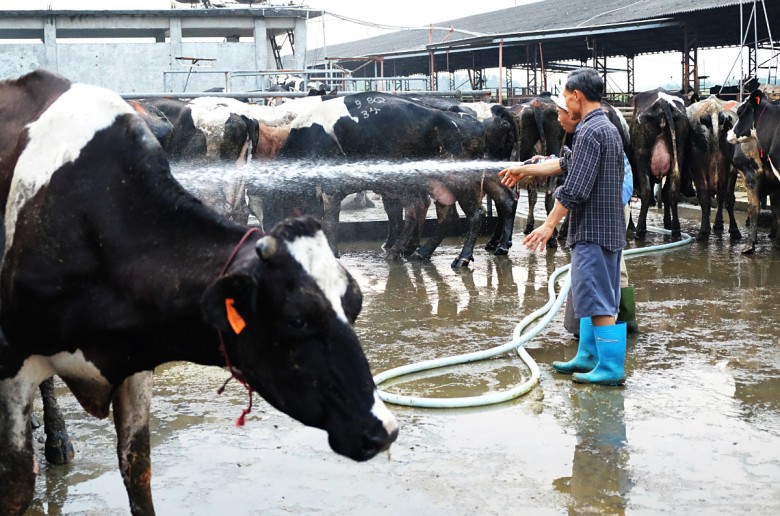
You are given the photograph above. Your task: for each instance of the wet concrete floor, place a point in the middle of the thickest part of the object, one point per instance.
(695, 430)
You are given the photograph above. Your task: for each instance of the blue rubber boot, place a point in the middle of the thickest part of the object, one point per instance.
(586, 357)
(611, 346)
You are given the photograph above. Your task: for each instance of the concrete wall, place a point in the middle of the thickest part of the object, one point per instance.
(16, 60)
(49, 40)
(138, 67)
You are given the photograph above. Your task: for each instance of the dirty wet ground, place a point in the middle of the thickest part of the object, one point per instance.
(695, 430)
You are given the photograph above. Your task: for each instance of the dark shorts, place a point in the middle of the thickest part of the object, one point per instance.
(595, 280)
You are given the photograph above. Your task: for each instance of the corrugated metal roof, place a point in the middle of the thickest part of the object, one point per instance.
(545, 15)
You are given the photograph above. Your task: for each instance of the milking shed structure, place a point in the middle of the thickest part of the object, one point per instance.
(242, 49)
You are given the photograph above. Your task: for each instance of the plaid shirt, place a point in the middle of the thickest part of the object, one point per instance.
(594, 183)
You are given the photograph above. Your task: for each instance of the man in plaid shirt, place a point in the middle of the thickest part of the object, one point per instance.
(592, 196)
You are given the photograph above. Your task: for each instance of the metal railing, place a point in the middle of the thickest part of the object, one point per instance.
(332, 79)
(292, 94)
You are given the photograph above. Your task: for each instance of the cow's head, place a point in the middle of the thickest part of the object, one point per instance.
(745, 129)
(161, 127)
(287, 313)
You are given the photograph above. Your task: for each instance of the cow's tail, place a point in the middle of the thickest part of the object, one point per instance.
(539, 119)
(670, 123)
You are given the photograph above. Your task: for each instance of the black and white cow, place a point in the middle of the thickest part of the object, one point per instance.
(760, 183)
(215, 129)
(757, 133)
(111, 268)
(659, 129)
(710, 162)
(382, 126)
(298, 83)
(209, 130)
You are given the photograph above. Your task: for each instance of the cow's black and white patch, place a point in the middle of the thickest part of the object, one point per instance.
(54, 140)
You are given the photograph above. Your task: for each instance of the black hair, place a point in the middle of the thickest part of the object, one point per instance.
(588, 81)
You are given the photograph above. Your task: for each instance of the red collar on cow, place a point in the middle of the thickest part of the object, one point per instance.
(238, 324)
(760, 147)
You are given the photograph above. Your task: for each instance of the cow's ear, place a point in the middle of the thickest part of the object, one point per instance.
(229, 302)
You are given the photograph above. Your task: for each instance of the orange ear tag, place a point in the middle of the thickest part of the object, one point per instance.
(234, 318)
(758, 100)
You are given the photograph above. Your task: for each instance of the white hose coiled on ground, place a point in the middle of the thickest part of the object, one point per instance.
(546, 313)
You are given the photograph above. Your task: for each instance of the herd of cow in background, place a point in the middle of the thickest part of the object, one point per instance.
(684, 146)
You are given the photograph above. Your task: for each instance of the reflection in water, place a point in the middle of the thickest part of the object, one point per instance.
(701, 404)
(599, 482)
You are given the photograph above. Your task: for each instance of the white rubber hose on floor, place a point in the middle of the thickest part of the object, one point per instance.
(546, 313)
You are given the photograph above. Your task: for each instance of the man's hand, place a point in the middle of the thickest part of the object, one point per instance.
(537, 239)
(510, 176)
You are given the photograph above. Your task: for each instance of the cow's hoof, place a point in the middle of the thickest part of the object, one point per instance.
(461, 262)
(750, 248)
(640, 235)
(501, 251)
(34, 421)
(528, 229)
(703, 236)
(58, 449)
(676, 233)
(735, 235)
(552, 243)
(491, 246)
(393, 256)
(419, 256)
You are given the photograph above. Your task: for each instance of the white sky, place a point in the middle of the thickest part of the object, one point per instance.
(650, 71)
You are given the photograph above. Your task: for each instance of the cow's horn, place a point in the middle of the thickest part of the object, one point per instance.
(266, 247)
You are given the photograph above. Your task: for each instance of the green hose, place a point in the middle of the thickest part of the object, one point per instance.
(546, 313)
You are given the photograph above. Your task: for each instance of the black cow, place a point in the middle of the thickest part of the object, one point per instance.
(111, 268)
(502, 135)
(732, 92)
(758, 157)
(161, 127)
(710, 162)
(659, 129)
(382, 126)
(540, 134)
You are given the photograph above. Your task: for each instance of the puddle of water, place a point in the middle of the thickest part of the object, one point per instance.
(696, 428)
